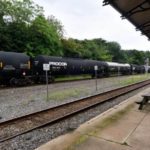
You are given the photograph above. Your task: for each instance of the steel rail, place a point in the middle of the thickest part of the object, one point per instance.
(24, 124)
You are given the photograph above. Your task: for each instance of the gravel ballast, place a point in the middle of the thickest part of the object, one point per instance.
(34, 139)
(15, 102)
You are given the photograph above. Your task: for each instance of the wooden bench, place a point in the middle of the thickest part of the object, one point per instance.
(146, 98)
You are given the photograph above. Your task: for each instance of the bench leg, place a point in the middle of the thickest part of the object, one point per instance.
(145, 100)
(141, 106)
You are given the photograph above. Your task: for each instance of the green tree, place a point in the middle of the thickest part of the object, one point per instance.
(135, 57)
(95, 49)
(71, 48)
(57, 25)
(44, 38)
(115, 51)
(19, 10)
(18, 36)
(15, 17)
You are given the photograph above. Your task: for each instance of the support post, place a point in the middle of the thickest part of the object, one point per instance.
(96, 68)
(46, 68)
(47, 83)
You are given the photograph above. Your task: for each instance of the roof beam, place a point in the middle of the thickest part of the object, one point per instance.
(138, 13)
(143, 26)
(144, 6)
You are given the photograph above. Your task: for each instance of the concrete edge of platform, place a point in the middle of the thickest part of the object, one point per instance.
(69, 138)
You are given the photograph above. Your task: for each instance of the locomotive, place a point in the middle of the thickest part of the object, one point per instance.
(20, 69)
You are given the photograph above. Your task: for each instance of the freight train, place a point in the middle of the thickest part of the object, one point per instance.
(20, 69)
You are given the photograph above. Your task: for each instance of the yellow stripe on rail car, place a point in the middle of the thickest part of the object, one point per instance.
(1, 64)
(29, 65)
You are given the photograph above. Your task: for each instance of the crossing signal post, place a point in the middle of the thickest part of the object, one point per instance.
(146, 65)
(96, 68)
(46, 68)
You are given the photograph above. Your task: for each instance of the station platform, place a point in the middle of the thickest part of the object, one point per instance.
(122, 127)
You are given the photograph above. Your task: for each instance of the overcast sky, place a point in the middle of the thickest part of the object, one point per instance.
(88, 19)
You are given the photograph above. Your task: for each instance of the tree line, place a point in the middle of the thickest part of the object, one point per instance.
(24, 28)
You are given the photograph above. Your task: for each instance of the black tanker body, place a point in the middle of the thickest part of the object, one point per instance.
(142, 69)
(118, 69)
(58, 66)
(102, 68)
(76, 66)
(66, 66)
(125, 69)
(14, 68)
(147, 68)
(85, 66)
(137, 69)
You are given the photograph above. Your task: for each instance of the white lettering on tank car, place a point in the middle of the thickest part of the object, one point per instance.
(8, 67)
(58, 63)
(23, 66)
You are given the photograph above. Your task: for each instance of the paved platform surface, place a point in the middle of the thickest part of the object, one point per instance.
(123, 127)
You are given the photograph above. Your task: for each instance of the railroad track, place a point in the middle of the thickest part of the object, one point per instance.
(19, 126)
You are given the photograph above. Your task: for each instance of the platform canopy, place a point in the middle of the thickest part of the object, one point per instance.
(136, 11)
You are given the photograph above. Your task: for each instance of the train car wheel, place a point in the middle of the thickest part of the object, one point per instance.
(13, 81)
(51, 79)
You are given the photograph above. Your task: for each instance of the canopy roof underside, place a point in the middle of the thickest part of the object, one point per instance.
(136, 11)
